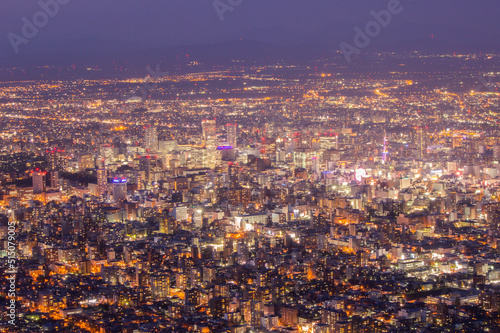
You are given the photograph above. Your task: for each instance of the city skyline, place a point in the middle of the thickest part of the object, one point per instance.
(244, 166)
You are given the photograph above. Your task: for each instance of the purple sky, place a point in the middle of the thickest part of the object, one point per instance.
(177, 22)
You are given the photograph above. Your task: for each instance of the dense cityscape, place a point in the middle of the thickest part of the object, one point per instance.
(249, 166)
(254, 198)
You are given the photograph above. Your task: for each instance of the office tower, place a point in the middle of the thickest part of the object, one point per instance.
(146, 166)
(160, 286)
(85, 161)
(38, 181)
(56, 159)
(451, 166)
(209, 157)
(233, 176)
(303, 158)
(329, 141)
(168, 146)
(496, 153)
(102, 182)
(227, 152)
(107, 153)
(151, 139)
(54, 179)
(167, 225)
(119, 189)
(151, 166)
(419, 142)
(209, 129)
(384, 151)
(180, 213)
(232, 136)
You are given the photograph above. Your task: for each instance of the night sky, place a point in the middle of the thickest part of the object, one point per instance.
(164, 23)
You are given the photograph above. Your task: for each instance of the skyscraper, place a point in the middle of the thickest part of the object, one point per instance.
(54, 179)
(420, 142)
(209, 129)
(56, 159)
(385, 152)
(160, 286)
(151, 139)
(119, 189)
(151, 165)
(38, 181)
(107, 153)
(102, 181)
(232, 136)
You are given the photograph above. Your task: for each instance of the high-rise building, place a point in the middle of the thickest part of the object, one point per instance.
(232, 136)
(233, 175)
(38, 181)
(151, 165)
(56, 159)
(329, 141)
(119, 189)
(209, 129)
(85, 161)
(102, 182)
(419, 142)
(107, 153)
(167, 147)
(160, 286)
(54, 179)
(151, 139)
(384, 151)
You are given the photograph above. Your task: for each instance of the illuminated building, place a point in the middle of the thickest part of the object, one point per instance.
(209, 130)
(119, 189)
(384, 151)
(107, 153)
(420, 142)
(151, 165)
(56, 159)
(151, 139)
(38, 181)
(232, 135)
(160, 286)
(54, 179)
(85, 161)
(227, 152)
(102, 182)
(169, 146)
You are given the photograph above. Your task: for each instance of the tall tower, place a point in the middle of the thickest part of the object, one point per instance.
(102, 181)
(209, 129)
(150, 165)
(145, 165)
(420, 142)
(107, 153)
(56, 159)
(232, 136)
(385, 152)
(38, 181)
(151, 138)
(119, 189)
(54, 179)
(233, 175)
